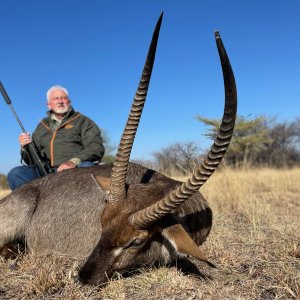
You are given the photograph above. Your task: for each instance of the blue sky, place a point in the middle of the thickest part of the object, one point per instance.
(96, 49)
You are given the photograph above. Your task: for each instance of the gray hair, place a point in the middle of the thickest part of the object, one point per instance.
(56, 87)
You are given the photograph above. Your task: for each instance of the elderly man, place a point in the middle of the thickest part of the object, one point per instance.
(67, 139)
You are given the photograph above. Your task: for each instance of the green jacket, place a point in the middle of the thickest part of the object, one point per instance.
(76, 137)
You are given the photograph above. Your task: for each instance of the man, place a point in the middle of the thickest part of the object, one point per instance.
(67, 139)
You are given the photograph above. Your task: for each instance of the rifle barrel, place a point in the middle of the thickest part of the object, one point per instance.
(8, 101)
(3, 92)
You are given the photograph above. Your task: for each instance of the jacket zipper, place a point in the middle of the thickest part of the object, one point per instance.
(54, 135)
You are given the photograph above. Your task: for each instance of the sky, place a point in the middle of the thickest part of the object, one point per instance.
(97, 49)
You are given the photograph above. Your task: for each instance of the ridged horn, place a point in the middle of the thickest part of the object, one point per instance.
(119, 170)
(168, 204)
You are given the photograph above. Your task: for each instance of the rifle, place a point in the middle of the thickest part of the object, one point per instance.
(34, 158)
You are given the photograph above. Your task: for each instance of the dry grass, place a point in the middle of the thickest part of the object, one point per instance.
(3, 193)
(255, 242)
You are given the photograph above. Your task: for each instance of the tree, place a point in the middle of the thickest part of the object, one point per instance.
(284, 147)
(249, 139)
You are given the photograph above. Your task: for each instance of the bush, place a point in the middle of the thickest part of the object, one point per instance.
(177, 159)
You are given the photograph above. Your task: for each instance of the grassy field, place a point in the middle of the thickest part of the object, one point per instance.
(255, 243)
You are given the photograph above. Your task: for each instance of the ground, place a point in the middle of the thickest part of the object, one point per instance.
(254, 242)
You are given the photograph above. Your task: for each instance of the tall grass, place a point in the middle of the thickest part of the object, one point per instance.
(255, 243)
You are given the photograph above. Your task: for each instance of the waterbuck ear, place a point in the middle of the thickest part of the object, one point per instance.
(183, 243)
(104, 183)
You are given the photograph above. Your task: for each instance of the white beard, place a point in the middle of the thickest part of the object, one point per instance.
(60, 110)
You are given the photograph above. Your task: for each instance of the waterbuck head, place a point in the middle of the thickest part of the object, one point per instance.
(139, 222)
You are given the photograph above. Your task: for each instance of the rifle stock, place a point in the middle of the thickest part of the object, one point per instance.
(34, 158)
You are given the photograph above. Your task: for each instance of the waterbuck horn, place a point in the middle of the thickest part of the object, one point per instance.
(168, 204)
(119, 170)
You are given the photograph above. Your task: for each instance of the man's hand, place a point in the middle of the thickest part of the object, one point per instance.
(24, 139)
(66, 165)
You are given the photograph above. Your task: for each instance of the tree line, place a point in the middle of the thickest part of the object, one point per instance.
(258, 141)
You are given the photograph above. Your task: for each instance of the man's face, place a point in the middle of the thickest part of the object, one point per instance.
(58, 102)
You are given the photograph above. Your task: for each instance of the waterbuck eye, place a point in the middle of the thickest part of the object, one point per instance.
(135, 243)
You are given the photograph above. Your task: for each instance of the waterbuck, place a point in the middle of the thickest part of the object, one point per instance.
(121, 215)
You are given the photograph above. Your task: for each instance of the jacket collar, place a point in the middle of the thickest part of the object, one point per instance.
(53, 123)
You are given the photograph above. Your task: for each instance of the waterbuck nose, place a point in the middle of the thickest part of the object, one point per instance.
(88, 276)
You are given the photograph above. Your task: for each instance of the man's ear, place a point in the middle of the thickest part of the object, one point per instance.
(183, 244)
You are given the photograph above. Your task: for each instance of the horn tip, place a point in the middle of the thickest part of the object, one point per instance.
(160, 17)
(217, 34)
